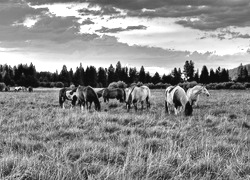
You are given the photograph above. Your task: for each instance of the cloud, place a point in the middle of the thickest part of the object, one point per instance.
(87, 22)
(226, 34)
(209, 15)
(116, 30)
(16, 13)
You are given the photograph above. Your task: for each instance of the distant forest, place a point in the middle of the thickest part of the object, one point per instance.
(26, 75)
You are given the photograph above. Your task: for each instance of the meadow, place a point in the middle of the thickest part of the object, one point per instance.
(39, 140)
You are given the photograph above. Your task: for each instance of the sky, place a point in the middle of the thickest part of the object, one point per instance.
(159, 34)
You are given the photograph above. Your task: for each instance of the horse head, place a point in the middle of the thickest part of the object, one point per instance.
(188, 109)
(205, 91)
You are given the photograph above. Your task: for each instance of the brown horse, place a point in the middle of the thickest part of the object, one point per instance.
(99, 92)
(85, 95)
(137, 94)
(117, 93)
(30, 89)
(63, 96)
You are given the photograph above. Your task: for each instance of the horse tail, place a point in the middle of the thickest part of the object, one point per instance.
(96, 100)
(188, 109)
(61, 96)
(124, 95)
(166, 103)
(148, 98)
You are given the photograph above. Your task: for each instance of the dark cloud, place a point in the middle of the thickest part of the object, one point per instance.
(87, 22)
(210, 15)
(226, 34)
(16, 13)
(116, 30)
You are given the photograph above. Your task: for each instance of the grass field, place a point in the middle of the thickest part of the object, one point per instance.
(38, 140)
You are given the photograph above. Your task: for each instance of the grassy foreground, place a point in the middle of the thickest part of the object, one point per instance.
(38, 140)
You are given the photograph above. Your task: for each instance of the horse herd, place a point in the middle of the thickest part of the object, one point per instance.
(176, 99)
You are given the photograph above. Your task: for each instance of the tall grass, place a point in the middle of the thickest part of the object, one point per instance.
(41, 141)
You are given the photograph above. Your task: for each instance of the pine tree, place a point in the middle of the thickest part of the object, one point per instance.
(133, 78)
(102, 77)
(156, 78)
(148, 78)
(111, 74)
(118, 71)
(204, 77)
(212, 76)
(64, 76)
(196, 76)
(176, 76)
(189, 70)
(142, 75)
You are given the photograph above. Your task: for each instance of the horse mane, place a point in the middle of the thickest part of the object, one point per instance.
(96, 100)
(131, 93)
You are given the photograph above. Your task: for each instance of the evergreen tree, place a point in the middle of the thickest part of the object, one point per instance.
(77, 77)
(176, 76)
(142, 75)
(156, 78)
(217, 75)
(118, 71)
(224, 76)
(133, 75)
(92, 76)
(245, 74)
(64, 76)
(124, 75)
(166, 79)
(189, 70)
(87, 78)
(196, 76)
(148, 78)
(71, 75)
(204, 78)
(111, 74)
(102, 77)
(212, 77)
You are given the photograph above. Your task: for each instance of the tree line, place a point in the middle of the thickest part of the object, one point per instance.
(26, 75)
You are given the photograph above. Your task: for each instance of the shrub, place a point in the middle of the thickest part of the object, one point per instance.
(238, 86)
(119, 84)
(52, 84)
(59, 84)
(72, 86)
(2, 86)
(187, 85)
(247, 85)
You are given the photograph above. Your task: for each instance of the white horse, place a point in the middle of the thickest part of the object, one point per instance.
(137, 94)
(176, 98)
(194, 93)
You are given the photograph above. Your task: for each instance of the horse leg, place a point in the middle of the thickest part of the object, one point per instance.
(175, 110)
(166, 107)
(142, 105)
(90, 105)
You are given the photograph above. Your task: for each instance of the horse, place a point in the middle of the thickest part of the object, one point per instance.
(18, 88)
(194, 93)
(137, 94)
(30, 89)
(176, 97)
(7, 88)
(63, 96)
(99, 92)
(110, 93)
(85, 95)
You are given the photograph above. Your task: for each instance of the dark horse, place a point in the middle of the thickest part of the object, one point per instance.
(64, 95)
(85, 95)
(117, 93)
